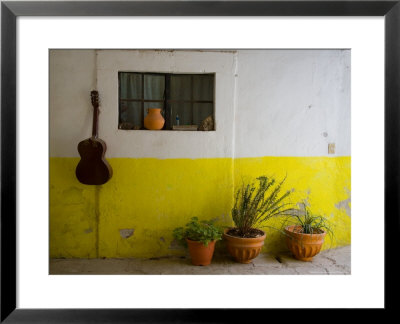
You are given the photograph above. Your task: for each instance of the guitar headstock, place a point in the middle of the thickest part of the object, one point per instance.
(95, 98)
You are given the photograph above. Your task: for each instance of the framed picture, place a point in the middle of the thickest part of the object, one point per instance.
(180, 109)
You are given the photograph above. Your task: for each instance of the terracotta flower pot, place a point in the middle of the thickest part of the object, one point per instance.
(243, 249)
(154, 120)
(303, 246)
(201, 254)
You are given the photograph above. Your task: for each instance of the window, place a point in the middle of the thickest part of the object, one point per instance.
(190, 97)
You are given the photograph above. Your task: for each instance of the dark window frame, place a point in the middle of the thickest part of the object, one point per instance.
(166, 109)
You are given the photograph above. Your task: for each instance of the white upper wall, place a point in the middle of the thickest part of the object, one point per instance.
(70, 125)
(72, 77)
(166, 144)
(267, 102)
(292, 103)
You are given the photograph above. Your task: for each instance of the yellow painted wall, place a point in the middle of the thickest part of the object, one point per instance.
(153, 196)
(150, 196)
(323, 183)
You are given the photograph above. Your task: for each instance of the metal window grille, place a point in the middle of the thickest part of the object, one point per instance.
(181, 94)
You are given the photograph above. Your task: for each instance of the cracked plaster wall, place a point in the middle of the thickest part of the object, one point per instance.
(276, 113)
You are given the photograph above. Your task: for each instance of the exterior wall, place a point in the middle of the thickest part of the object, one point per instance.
(276, 112)
(323, 183)
(70, 101)
(72, 77)
(292, 103)
(135, 212)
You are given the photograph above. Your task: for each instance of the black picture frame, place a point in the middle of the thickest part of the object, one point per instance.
(11, 10)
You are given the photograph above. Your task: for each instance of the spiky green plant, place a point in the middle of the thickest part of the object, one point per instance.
(310, 223)
(254, 205)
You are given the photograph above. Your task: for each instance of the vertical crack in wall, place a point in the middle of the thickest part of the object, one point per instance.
(97, 189)
(97, 216)
(96, 58)
(235, 100)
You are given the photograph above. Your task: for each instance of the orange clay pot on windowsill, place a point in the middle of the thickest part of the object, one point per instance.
(244, 250)
(154, 120)
(303, 246)
(200, 254)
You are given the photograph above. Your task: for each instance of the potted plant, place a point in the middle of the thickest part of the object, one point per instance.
(254, 205)
(200, 237)
(306, 234)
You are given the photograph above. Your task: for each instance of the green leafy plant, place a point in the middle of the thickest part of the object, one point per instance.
(254, 205)
(203, 231)
(310, 223)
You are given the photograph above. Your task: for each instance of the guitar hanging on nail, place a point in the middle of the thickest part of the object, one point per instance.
(93, 169)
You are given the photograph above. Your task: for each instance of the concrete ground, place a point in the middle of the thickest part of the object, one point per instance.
(330, 262)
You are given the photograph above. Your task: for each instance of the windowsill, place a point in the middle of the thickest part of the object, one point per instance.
(175, 128)
(165, 130)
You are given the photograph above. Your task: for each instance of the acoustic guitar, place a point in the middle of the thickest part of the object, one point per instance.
(93, 169)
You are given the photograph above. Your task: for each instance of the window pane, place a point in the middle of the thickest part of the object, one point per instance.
(181, 87)
(130, 85)
(130, 115)
(201, 112)
(153, 105)
(183, 90)
(203, 87)
(184, 111)
(154, 86)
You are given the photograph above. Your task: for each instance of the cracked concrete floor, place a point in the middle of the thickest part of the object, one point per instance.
(330, 262)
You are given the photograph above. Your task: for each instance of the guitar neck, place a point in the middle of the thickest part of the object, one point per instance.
(95, 121)
(95, 103)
